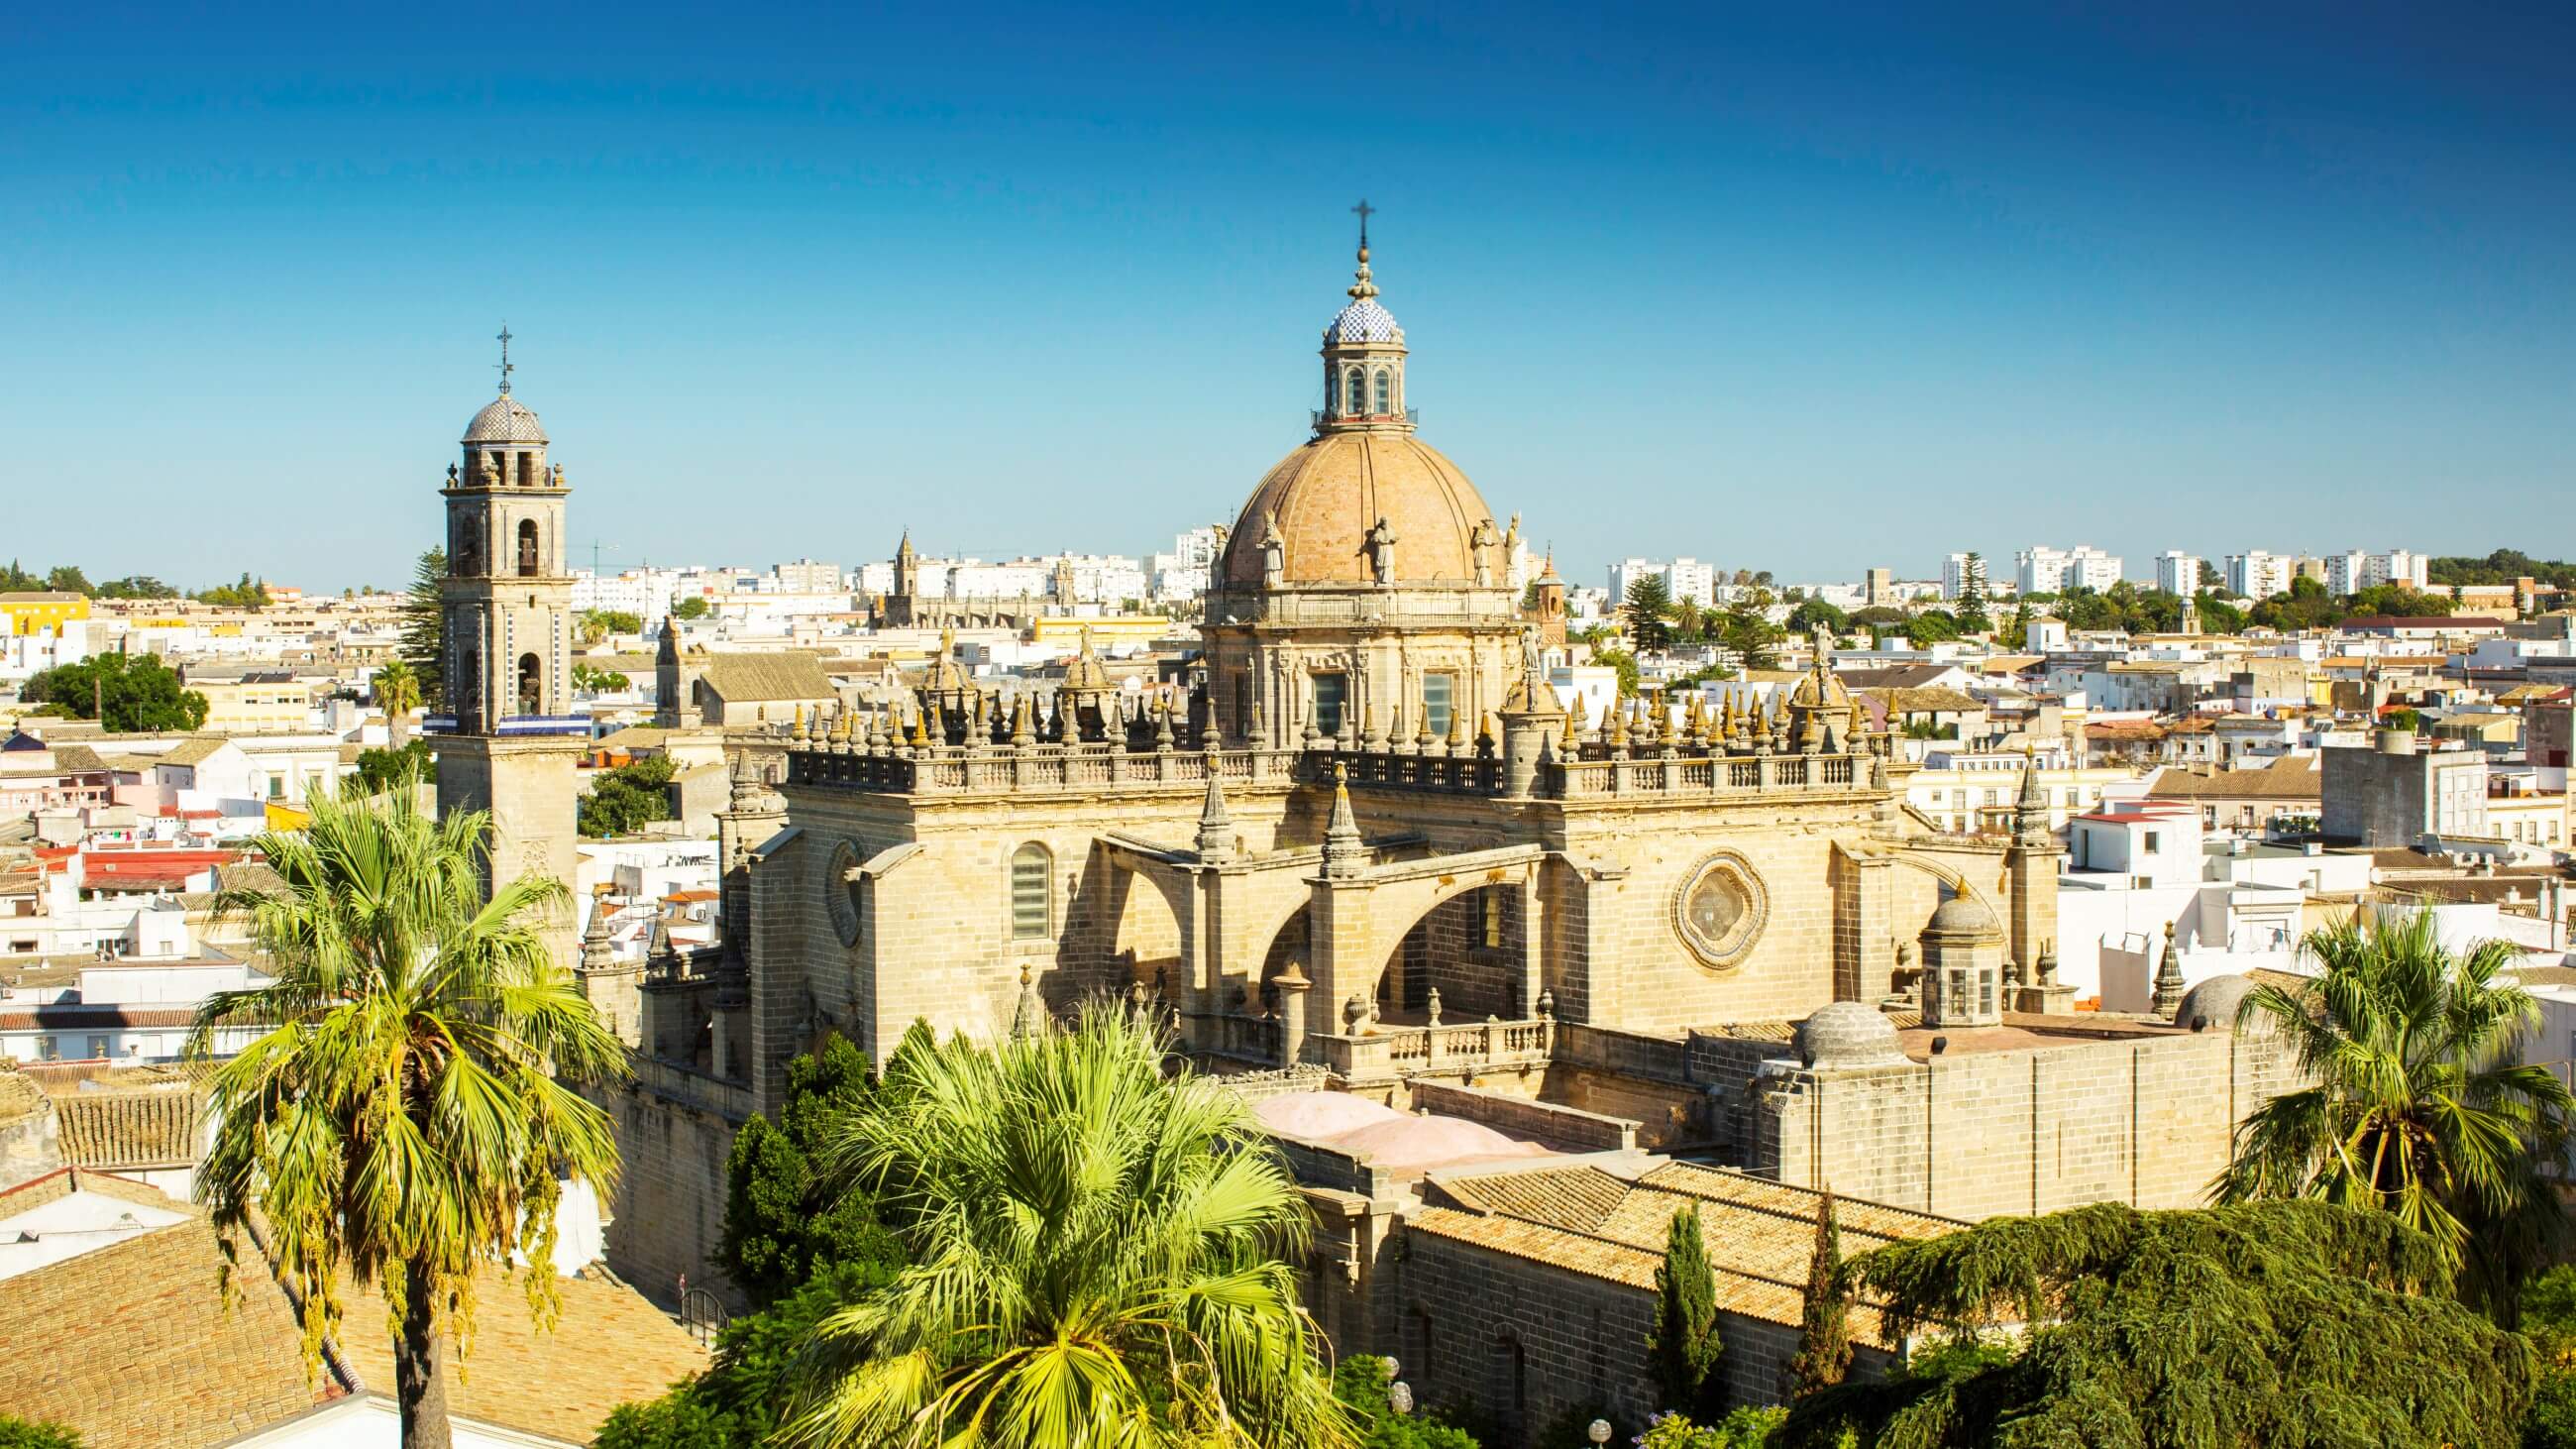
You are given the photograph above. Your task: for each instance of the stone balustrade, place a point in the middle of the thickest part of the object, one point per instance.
(1404, 1050)
(1095, 766)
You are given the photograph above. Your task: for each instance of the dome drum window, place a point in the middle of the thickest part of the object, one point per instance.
(1720, 908)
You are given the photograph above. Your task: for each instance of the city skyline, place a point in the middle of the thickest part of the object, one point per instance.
(2131, 270)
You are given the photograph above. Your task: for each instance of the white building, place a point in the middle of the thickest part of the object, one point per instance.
(2178, 572)
(2256, 574)
(2351, 572)
(2044, 570)
(1684, 578)
(806, 576)
(1958, 569)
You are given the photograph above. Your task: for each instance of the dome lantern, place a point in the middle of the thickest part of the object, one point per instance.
(1363, 357)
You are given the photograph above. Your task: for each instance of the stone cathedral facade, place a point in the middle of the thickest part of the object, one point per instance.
(1366, 845)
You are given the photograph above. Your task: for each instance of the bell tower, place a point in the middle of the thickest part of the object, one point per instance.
(509, 741)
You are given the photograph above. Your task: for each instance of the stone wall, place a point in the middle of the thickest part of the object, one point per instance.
(669, 1213)
(2147, 1121)
(1567, 1129)
(1521, 1343)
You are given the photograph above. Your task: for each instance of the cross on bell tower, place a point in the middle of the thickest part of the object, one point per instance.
(505, 337)
(1363, 211)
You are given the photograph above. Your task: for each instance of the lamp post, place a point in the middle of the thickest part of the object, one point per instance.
(1600, 1431)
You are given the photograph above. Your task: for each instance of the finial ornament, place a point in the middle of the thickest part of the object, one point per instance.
(1362, 288)
(504, 339)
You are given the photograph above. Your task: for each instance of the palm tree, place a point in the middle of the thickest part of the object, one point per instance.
(1100, 1257)
(2421, 1103)
(397, 692)
(410, 1110)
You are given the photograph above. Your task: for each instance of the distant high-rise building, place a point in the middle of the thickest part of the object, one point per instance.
(2046, 570)
(1878, 587)
(2178, 572)
(1684, 578)
(2256, 574)
(2353, 571)
(1958, 569)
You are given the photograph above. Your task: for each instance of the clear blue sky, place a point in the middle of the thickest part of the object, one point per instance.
(1804, 288)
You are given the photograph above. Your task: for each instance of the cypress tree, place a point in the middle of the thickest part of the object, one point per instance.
(1824, 1330)
(1685, 1345)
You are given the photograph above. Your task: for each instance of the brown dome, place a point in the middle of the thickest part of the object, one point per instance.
(1328, 494)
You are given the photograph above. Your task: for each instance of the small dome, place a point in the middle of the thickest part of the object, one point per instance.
(1847, 1033)
(1964, 916)
(504, 420)
(1327, 495)
(2217, 999)
(1821, 687)
(1410, 1144)
(1317, 1116)
(1364, 321)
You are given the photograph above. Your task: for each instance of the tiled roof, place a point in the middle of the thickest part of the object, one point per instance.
(1908, 701)
(789, 674)
(194, 751)
(610, 1347)
(76, 1016)
(1576, 1198)
(132, 1345)
(150, 1128)
(2291, 777)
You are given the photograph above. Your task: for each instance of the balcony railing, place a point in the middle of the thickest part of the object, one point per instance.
(1401, 1051)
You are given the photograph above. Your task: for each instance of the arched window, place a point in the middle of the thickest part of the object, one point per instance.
(527, 548)
(1032, 895)
(532, 685)
(1354, 401)
(1385, 391)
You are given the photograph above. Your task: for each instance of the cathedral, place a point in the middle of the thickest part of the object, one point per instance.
(1362, 855)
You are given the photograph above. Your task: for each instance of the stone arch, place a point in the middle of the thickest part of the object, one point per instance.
(1146, 919)
(1468, 944)
(1948, 876)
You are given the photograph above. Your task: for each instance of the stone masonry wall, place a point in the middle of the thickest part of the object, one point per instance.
(669, 1212)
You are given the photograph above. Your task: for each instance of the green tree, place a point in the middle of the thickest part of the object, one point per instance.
(598, 624)
(1690, 621)
(1684, 1346)
(740, 1400)
(783, 1222)
(127, 693)
(1744, 1428)
(397, 693)
(1361, 1382)
(1972, 598)
(411, 1104)
(2218, 615)
(1804, 618)
(1932, 626)
(588, 676)
(17, 1433)
(624, 800)
(1749, 633)
(424, 628)
(2019, 628)
(2292, 1325)
(2420, 1102)
(382, 770)
(1648, 610)
(68, 579)
(136, 586)
(2209, 577)
(1622, 663)
(1101, 1255)
(14, 579)
(249, 594)
(692, 607)
(2400, 601)
(1824, 1329)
